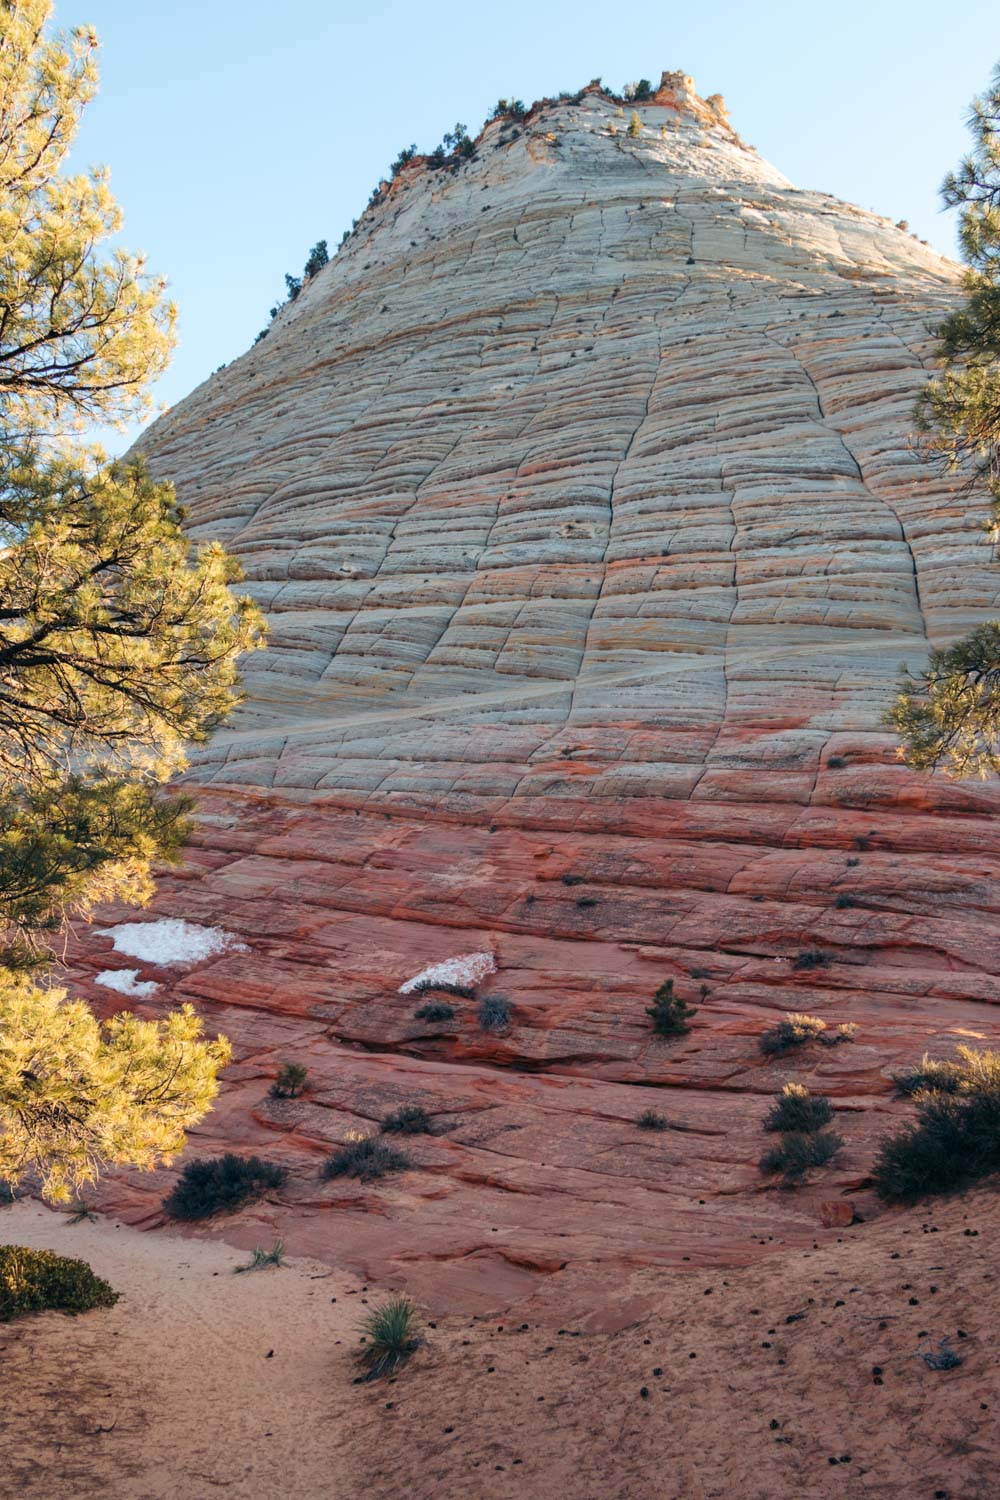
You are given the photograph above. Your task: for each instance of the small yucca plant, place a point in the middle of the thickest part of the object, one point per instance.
(390, 1334)
(260, 1258)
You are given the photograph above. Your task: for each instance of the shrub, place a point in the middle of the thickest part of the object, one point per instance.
(843, 901)
(955, 1139)
(836, 762)
(37, 1280)
(845, 1032)
(390, 1335)
(367, 1158)
(811, 958)
(317, 258)
(405, 156)
(793, 1031)
(259, 1258)
(650, 1120)
(494, 1013)
(798, 1151)
(931, 1076)
(221, 1184)
(443, 987)
(410, 1120)
(512, 107)
(640, 91)
(435, 1011)
(670, 1014)
(290, 1082)
(799, 1111)
(634, 125)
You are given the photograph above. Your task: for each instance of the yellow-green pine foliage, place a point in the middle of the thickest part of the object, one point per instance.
(634, 125)
(949, 715)
(81, 334)
(77, 1095)
(118, 643)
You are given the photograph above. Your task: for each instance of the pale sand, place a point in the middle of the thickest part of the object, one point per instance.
(178, 1373)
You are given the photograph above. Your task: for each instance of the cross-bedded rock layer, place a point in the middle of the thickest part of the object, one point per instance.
(581, 493)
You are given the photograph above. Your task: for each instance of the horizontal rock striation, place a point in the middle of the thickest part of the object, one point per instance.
(581, 492)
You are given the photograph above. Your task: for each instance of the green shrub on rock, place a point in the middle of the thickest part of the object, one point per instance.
(367, 1158)
(221, 1184)
(793, 1031)
(954, 1140)
(797, 1110)
(670, 1014)
(800, 1150)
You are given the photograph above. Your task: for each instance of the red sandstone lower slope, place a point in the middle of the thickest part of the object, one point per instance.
(538, 1169)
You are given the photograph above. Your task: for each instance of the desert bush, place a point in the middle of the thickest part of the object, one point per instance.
(670, 1014)
(634, 125)
(291, 1080)
(494, 1013)
(367, 1158)
(845, 1032)
(794, 1030)
(933, 1075)
(435, 1011)
(797, 1110)
(811, 958)
(410, 1120)
(318, 257)
(797, 1151)
(843, 901)
(836, 762)
(514, 108)
(390, 1335)
(37, 1280)
(443, 987)
(405, 156)
(650, 1120)
(221, 1184)
(955, 1138)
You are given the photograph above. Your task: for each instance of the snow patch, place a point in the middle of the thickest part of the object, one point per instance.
(127, 982)
(170, 941)
(468, 969)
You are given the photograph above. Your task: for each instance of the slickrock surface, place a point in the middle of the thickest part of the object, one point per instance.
(581, 492)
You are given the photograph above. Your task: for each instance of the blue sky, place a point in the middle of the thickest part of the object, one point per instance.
(239, 132)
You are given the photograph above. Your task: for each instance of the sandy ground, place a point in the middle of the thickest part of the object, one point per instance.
(799, 1377)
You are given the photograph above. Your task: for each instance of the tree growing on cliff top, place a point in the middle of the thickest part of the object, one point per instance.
(949, 716)
(118, 640)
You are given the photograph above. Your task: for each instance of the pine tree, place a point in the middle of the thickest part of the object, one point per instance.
(118, 639)
(949, 716)
(77, 1095)
(634, 125)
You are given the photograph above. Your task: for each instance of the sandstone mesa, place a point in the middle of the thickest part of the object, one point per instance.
(581, 493)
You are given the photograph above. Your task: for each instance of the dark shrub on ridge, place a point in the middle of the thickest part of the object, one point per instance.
(798, 1151)
(410, 1120)
(795, 1109)
(670, 1014)
(221, 1184)
(954, 1140)
(367, 1158)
